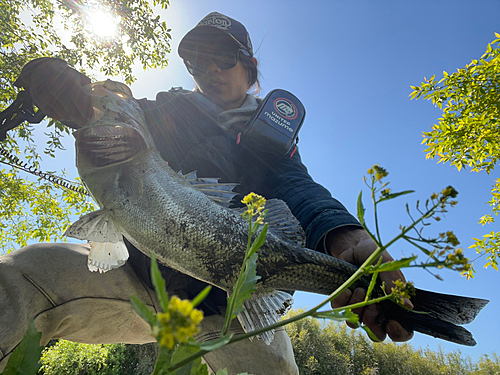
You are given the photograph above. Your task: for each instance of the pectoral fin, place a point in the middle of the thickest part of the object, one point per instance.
(263, 311)
(105, 256)
(107, 250)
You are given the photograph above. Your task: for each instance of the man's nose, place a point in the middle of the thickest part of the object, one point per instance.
(212, 68)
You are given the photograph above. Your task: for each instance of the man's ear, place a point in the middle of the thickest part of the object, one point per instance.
(255, 61)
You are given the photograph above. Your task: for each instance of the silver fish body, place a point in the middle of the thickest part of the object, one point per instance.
(160, 211)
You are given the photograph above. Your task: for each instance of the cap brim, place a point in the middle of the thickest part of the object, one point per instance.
(204, 35)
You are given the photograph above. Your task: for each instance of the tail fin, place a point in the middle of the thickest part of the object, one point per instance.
(439, 315)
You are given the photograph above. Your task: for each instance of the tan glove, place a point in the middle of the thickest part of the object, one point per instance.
(57, 89)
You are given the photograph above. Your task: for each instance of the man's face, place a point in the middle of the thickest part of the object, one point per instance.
(226, 87)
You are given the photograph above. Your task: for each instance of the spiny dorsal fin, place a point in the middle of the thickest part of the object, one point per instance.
(263, 311)
(282, 222)
(220, 193)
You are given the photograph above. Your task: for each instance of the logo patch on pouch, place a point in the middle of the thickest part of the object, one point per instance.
(286, 108)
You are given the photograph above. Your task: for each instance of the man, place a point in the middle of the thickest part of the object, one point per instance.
(193, 131)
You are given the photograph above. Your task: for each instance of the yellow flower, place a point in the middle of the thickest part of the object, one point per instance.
(178, 324)
(254, 201)
(248, 198)
(163, 317)
(196, 316)
(168, 341)
(183, 306)
(378, 171)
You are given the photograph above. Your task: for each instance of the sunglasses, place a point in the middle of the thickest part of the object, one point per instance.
(199, 61)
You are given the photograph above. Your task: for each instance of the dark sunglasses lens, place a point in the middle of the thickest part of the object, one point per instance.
(224, 59)
(193, 69)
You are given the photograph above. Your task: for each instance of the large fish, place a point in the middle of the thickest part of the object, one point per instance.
(182, 219)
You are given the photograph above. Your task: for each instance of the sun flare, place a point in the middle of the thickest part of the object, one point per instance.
(103, 24)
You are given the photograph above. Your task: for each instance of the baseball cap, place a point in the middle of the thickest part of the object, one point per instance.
(212, 26)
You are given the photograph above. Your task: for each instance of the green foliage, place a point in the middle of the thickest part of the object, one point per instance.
(332, 348)
(68, 358)
(24, 360)
(319, 347)
(35, 210)
(37, 28)
(468, 133)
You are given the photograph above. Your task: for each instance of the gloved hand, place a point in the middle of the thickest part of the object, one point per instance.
(57, 89)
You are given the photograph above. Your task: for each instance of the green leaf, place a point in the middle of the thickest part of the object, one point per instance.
(361, 209)
(339, 316)
(159, 283)
(162, 361)
(222, 372)
(373, 281)
(391, 266)
(394, 195)
(215, 344)
(201, 296)
(24, 360)
(370, 333)
(259, 241)
(143, 310)
(250, 280)
(195, 367)
(185, 370)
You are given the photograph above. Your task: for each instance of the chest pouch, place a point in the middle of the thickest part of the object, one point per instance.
(276, 124)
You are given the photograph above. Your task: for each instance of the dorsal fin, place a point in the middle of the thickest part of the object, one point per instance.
(282, 222)
(220, 193)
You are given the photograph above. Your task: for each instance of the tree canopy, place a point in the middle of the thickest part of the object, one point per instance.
(468, 133)
(33, 209)
(319, 347)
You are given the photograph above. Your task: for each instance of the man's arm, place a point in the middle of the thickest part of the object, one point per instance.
(57, 89)
(331, 228)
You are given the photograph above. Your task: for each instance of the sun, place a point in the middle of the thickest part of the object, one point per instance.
(103, 24)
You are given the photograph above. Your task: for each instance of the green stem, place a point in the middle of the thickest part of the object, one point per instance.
(375, 213)
(239, 282)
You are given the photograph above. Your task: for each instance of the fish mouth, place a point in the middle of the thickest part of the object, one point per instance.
(101, 146)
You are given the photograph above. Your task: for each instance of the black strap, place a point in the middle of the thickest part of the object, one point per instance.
(22, 109)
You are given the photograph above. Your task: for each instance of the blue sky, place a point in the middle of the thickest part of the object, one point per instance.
(351, 63)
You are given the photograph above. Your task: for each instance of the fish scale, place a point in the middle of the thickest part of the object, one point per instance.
(182, 219)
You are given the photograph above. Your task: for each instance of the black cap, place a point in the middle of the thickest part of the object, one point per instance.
(216, 25)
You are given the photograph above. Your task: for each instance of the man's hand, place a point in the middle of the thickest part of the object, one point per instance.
(57, 89)
(354, 245)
